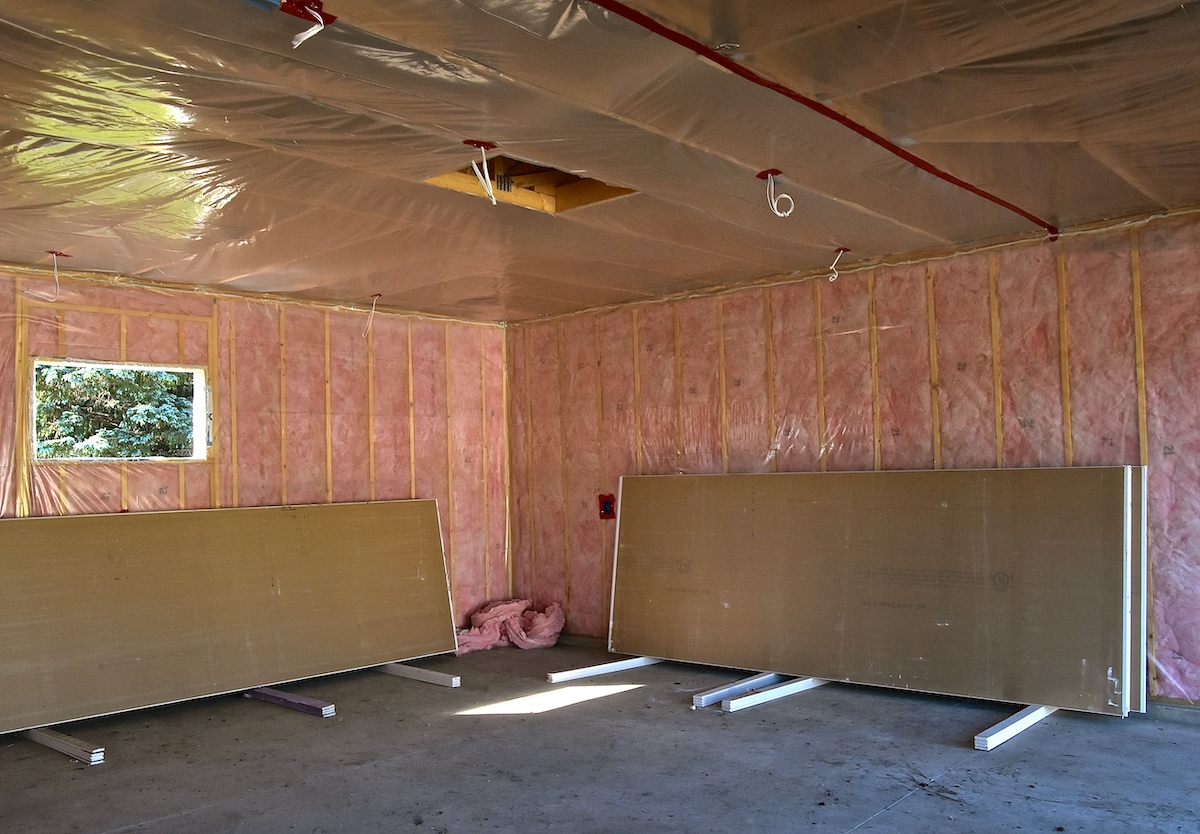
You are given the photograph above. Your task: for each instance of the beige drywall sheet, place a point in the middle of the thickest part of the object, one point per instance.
(1012, 585)
(100, 614)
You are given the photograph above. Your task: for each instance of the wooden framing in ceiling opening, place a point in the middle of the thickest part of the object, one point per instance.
(532, 186)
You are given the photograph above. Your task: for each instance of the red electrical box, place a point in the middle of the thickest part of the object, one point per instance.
(608, 506)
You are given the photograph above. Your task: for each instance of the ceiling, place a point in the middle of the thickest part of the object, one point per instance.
(191, 143)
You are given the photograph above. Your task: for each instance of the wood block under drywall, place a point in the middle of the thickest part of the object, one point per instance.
(101, 614)
(1011, 585)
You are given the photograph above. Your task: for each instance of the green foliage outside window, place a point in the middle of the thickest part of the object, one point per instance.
(96, 411)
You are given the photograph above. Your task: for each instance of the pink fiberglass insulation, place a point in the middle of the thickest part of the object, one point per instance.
(700, 383)
(1170, 262)
(581, 476)
(223, 407)
(153, 486)
(197, 486)
(304, 401)
(8, 413)
(194, 336)
(794, 348)
(43, 330)
(152, 340)
(521, 541)
(87, 489)
(849, 404)
(256, 379)
(389, 346)
(1030, 362)
(496, 581)
(512, 623)
(349, 402)
(549, 545)
(618, 455)
(905, 410)
(430, 418)
(743, 330)
(657, 415)
(84, 335)
(468, 450)
(962, 314)
(1104, 408)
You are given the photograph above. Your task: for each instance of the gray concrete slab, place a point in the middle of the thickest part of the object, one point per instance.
(398, 757)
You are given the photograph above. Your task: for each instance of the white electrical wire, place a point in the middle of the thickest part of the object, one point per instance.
(308, 33)
(833, 273)
(774, 199)
(371, 317)
(484, 177)
(53, 255)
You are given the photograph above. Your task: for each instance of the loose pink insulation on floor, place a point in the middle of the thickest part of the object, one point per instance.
(737, 382)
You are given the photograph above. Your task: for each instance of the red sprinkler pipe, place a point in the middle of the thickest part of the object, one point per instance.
(704, 51)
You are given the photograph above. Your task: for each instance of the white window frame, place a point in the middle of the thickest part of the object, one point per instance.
(202, 408)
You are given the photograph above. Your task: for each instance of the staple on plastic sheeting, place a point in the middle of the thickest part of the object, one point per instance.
(512, 622)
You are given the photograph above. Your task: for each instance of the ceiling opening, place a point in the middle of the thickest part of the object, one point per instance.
(531, 186)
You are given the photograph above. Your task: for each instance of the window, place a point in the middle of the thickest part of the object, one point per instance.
(99, 411)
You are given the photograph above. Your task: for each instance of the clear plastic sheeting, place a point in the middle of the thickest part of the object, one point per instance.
(202, 148)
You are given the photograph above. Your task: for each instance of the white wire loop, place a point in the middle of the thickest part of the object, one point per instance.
(312, 30)
(53, 255)
(773, 199)
(833, 273)
(371, 317)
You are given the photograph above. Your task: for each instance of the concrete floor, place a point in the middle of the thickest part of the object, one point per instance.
(398, 758)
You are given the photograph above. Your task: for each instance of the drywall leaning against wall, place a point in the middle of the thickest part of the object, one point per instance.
(1080, 352)
(311, 407)
(189, 604)
(1017, 585)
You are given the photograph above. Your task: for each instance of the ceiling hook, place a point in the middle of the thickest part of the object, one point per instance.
(773, 199)
(833, 273)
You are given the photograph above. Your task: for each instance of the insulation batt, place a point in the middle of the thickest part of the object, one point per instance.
(512, 623)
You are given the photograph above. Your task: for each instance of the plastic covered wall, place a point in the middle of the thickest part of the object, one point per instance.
(311, 407)
(1081, 352)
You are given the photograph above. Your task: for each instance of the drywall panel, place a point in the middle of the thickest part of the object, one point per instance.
(1010, 585)
(163, 607)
